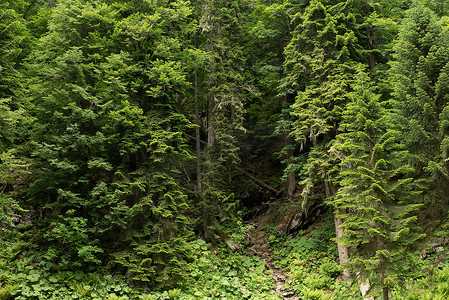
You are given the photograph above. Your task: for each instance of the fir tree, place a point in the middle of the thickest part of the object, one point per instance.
(377, 198)
(15, 44)
(274, 22)
(223, 91)
(321, 57)
(420, 76)
(108, 140)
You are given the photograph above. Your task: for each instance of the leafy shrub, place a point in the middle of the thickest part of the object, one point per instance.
(317, 281)
(161, 264)
(329, 267)
(315, 295)
(32, 283)
(72, 234)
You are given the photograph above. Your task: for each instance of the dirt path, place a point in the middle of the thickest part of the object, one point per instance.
(259, 246)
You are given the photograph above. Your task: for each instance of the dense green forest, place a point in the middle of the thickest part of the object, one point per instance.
(224, 149)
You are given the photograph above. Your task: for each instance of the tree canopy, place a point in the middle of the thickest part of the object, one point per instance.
(138, 137)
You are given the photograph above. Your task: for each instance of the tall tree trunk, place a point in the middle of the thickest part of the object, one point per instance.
(342, 250)
(197, 120)
(211, 97)
(372, 59)
(28, 8)
(291, 184)
(385, 288)
(197, 133)
(343, 254)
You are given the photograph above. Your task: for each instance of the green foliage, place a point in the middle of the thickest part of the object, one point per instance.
(13, 171)
(71, 233)
(158, 264)
(27, 274)
(96, 170)
(15, 42)
(311, 261)
(419, 75)
(275, 238)
(108, 143)
(318, 106)
(306, 246)
(69, 285)
(433, 286)
(321, 72)
(377, 198)
(223, 88)
(228, 276)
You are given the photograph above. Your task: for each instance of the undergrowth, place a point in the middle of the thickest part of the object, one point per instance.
(216, 273)
(309, 258)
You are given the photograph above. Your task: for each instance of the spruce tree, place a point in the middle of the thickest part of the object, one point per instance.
(320, 57)
(330, 40)
(320, 62)
(273, 23)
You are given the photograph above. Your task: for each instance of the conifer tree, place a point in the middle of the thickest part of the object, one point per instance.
(223, 91)
(420, 76)
(108, 140)
(320, 62)
(331, 41)
(377, 199)
(321, 57)
(273, 23)
(15, 44)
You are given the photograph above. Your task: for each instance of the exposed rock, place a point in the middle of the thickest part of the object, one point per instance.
(305, 217)
(437, 246)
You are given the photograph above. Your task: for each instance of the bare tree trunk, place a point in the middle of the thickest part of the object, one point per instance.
(197, 120)
(210, 114)
(343, 254)
(197, 133)
(364, 288)
(291, 184)
(258, 182)
(28, 8)
(385, 288)
(372, 59)
(342, 250)
(385, 291)
(254, 179)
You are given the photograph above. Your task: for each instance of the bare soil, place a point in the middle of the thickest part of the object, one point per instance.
(259, 246)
